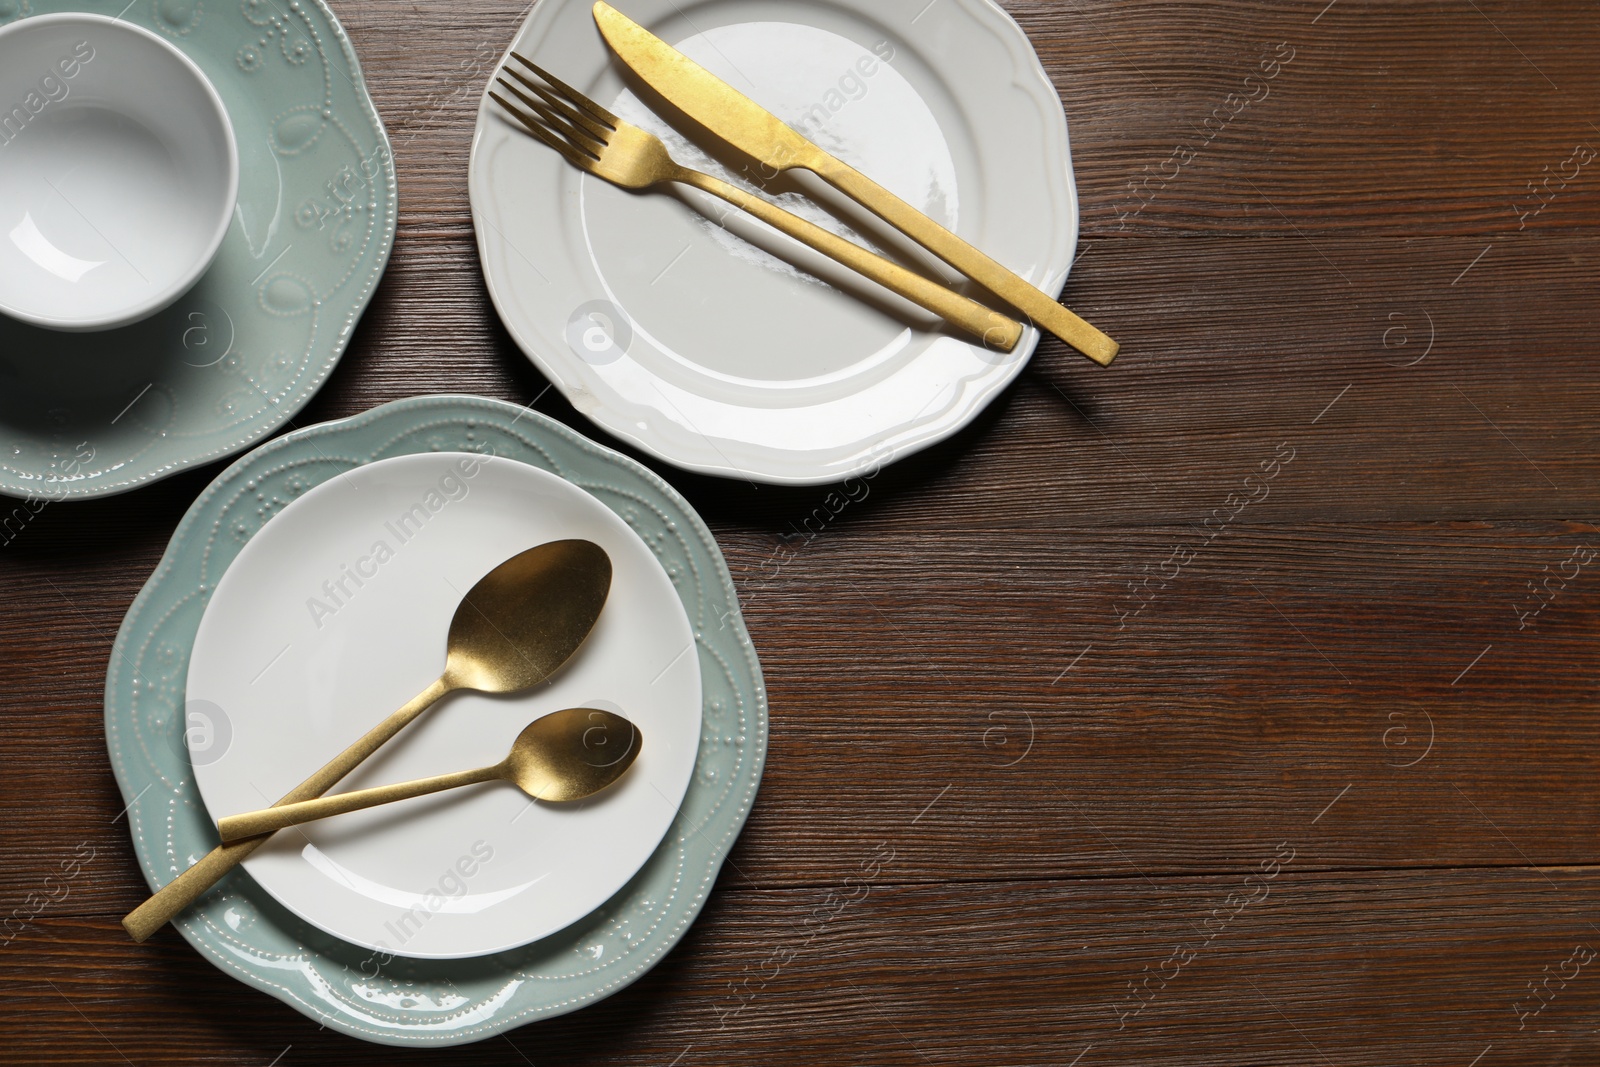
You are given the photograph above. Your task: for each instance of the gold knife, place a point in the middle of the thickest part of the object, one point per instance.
(758, 133)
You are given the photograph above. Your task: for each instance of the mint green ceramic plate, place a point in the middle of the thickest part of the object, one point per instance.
(233, 360)
(419, 1002)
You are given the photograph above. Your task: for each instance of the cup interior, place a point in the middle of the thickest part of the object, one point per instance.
(118, 172)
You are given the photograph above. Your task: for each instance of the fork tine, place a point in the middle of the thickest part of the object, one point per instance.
(568, 91)
(596, 131)
(579, 135)
(554, 123)
(538, 130)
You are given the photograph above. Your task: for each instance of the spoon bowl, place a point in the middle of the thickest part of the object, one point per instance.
(572, 754)
(525, 618)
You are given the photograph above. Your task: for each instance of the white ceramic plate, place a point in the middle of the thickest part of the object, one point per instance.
(721, 346)
(293, 660)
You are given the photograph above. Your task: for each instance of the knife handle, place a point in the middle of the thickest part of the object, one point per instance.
(994, 329)
(1046, 312)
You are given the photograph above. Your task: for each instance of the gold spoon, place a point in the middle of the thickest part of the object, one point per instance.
(564, 756)
(512, 630)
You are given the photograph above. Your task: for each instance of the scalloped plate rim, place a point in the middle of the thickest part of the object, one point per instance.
(275, 418)
(193, 929)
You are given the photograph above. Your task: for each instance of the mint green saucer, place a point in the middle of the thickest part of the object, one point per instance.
(420, 1002)
(233, 360)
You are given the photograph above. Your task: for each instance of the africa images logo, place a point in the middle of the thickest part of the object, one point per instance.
(52, 88)
(342, 588)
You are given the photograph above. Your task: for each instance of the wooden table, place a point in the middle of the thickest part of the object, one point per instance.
(1231, 705)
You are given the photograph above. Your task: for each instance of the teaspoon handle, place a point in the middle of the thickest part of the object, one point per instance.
(192, 883)
(249, 824)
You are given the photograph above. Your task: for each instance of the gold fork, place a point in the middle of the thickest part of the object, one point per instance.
(594, 140)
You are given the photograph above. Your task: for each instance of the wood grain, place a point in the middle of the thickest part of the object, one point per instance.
(1394, 967)
(1058, 665)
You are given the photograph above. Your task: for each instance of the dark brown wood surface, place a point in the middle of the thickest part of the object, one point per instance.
(977, 668)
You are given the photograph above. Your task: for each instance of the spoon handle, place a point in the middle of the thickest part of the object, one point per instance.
(189, 886)
(265, 821)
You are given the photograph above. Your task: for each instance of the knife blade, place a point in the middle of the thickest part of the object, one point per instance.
(758, 133)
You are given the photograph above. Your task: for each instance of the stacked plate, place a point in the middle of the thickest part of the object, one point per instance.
(305, 596)
(234, 358)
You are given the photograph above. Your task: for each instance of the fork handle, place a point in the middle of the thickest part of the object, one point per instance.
(994, 329)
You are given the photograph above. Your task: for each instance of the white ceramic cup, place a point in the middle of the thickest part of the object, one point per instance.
(118, 172)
